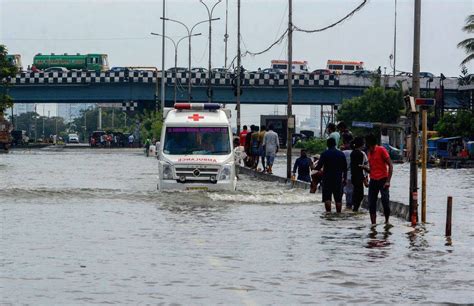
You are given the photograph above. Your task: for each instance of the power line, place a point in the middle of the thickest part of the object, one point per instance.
(71, 39)
(359, 7)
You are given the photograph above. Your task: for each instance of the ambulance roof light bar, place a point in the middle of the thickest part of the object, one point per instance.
(197, 106)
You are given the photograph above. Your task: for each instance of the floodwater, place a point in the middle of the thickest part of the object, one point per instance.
(88, 227)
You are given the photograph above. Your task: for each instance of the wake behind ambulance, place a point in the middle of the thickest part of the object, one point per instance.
(196, 148)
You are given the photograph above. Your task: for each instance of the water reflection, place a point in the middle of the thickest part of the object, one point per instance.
(417, 240)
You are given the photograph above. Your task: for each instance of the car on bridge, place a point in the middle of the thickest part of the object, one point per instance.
(425, 74)
(271, 71)
(119, 69)
(177, 69)
(321, 72)
(220, 70)
(56, 69)
(363, 73)
(199, 70)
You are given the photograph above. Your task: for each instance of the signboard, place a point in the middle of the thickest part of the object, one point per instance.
(425, 102)
(368, 125)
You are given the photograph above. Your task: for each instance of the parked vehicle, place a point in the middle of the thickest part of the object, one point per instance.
(196, 149)
(19, 138)
(72, 138)
(93, 62)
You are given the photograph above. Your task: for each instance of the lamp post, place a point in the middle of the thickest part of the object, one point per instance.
(190, 34)
(209, 13)
(176, 45)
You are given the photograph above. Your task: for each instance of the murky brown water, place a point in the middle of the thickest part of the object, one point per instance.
(88, 226)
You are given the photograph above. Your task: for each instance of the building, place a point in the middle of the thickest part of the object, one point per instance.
(70, 111)
(21, 108)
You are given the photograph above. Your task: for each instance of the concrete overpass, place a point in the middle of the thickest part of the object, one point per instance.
(258, 88)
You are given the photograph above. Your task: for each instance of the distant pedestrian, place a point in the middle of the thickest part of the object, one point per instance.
(303, 165)
(261, 148)
(254, 146)
(242, 135)
(381, 169)
(348, 187)
(316, 175)
(359, 161)
(131, 139)
(272, 144)
(147, 147)
(345, 133)
(249, 161)
(331, 130)
(335, 173)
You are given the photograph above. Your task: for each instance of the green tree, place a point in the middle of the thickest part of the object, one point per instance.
(112, 120)
(460, 123)
(377, 104)
(468, 44)
(7, 70)
(150, 125)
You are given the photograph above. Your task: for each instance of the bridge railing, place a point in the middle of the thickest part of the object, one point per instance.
(218, 79)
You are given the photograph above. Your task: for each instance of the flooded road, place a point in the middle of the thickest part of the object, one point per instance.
(88, 226)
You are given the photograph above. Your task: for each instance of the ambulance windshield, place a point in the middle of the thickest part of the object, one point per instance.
(197, 141)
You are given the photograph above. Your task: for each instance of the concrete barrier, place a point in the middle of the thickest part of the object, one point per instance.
(398, 209)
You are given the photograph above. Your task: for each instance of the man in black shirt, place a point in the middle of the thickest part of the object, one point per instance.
(335, 174)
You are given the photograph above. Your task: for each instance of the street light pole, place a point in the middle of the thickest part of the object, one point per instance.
(176, 45)
(209, 12)
(190, 32)
(226, 35)
(163, 69)
(395, 42)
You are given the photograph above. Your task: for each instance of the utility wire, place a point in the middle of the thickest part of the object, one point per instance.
(335, 23)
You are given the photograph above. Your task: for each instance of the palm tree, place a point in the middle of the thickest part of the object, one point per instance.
(468, 44)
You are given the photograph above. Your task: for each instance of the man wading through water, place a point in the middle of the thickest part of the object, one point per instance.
(335, 172)
(380, 172)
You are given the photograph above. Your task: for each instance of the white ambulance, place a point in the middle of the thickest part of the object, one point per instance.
(196, 151)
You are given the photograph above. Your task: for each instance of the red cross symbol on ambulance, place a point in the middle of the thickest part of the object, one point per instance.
(196, 117)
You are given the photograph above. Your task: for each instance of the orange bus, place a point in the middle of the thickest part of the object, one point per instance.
(339, 67)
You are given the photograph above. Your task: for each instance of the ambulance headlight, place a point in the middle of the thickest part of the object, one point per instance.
(226, 172)
(167, 172)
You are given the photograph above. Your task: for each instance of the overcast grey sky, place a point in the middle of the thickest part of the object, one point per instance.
(121, 29)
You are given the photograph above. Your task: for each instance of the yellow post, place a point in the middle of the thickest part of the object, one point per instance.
(424, 156)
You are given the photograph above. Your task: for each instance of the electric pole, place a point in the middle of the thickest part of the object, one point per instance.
(290, 121)
(414, 117)
(163, 72)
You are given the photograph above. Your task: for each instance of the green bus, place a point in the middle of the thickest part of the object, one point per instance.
(93, 62)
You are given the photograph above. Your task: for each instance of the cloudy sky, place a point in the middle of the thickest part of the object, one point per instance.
(121, 28)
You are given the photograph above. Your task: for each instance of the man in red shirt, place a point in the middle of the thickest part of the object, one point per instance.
(380, 169)
(242, 136)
